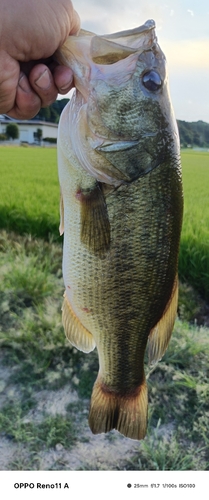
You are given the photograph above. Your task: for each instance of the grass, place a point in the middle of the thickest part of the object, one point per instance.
(167, 455)
(29, 192)
(36, 356)
(48, 433)
(194, 249)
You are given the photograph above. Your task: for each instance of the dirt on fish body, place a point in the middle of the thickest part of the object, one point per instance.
(121, 214)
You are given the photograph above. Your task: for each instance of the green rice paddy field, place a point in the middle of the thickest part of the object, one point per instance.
(45, 384)
(29, 203)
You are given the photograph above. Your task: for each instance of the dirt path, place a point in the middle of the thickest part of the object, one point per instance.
(101, 452)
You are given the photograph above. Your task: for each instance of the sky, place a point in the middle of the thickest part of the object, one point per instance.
(182, 28)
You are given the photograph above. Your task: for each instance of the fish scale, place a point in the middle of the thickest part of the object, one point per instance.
(121, 211)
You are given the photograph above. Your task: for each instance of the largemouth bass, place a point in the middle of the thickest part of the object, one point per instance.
(121, 214)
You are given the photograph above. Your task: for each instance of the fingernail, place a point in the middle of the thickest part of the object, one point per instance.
(44, 81)
(67, 86)
(24, 83)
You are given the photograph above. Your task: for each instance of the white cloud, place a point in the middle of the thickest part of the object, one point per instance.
(190, 12)
(106, 16)
(187, 53)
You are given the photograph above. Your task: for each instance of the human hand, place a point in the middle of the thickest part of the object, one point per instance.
(30, 33)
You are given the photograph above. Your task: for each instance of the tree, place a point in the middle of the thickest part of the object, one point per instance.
(44, 114)
(12, 131)
(52, 113)
(39, 134)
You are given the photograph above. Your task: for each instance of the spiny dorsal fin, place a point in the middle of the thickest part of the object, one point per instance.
(160, 335)
(75, 332)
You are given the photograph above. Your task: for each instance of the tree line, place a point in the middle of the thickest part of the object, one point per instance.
(52, 113)
(194, 134)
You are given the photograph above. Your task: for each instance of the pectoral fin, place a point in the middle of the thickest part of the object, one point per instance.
(160, 335)
(95, 226)
(75, 332)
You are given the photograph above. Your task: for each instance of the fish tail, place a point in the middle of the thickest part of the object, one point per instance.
(125, 413)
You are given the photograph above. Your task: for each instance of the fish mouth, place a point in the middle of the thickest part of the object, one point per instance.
(81, 52)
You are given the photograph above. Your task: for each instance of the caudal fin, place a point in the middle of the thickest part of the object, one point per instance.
(127, 414)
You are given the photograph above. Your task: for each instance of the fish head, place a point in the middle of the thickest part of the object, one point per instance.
(122, 100)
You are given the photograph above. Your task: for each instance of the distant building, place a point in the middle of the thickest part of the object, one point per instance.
(28, 129)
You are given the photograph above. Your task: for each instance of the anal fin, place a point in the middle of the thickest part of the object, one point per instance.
(161, 333)
(75, 332)
(95, 226)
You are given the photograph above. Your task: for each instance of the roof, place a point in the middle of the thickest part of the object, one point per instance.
(8, 119)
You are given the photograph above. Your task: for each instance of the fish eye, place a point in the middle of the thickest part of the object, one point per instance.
(151, 80)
